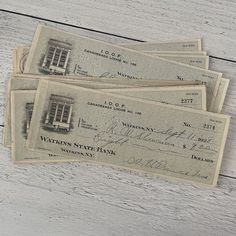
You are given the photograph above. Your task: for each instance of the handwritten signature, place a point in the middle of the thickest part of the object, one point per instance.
(163, 165)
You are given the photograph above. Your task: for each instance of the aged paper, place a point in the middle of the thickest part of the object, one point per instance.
(184, 53)
(55, 51)
(20, 55)
(22, 104)
(197, 61)
(218, 101)
(30, 82)
(182, 45)
(21, 111)
(185, 96)
(132, 133)
(111, 81)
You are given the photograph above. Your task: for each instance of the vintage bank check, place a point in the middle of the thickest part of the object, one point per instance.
(132, 133)
(22, 103)
(20, 55)
(54, 51)
(194, 96)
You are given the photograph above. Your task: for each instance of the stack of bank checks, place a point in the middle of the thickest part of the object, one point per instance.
(152, 107)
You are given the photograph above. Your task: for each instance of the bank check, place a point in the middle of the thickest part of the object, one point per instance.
(54, 51)
(128, 132)
(20, 55)
(23, 102)
(193, 96)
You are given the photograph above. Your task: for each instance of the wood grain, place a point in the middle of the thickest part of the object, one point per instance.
(86, 199)
(215, 21)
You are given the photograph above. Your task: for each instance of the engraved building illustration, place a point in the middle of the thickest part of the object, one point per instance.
(56, 57)
(58, 117)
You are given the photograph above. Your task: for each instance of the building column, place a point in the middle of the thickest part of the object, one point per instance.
(53, 55)
(60, 57)
(62, 112)
(55, 115)
(67, 58)
(69, 116)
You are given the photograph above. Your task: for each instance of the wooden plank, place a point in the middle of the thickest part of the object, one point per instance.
(18, 30)
(146, 20)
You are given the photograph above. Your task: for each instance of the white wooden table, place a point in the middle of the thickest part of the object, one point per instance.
(85, 199)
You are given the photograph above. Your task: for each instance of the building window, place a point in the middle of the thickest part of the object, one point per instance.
(56, 58)
(59, 113)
